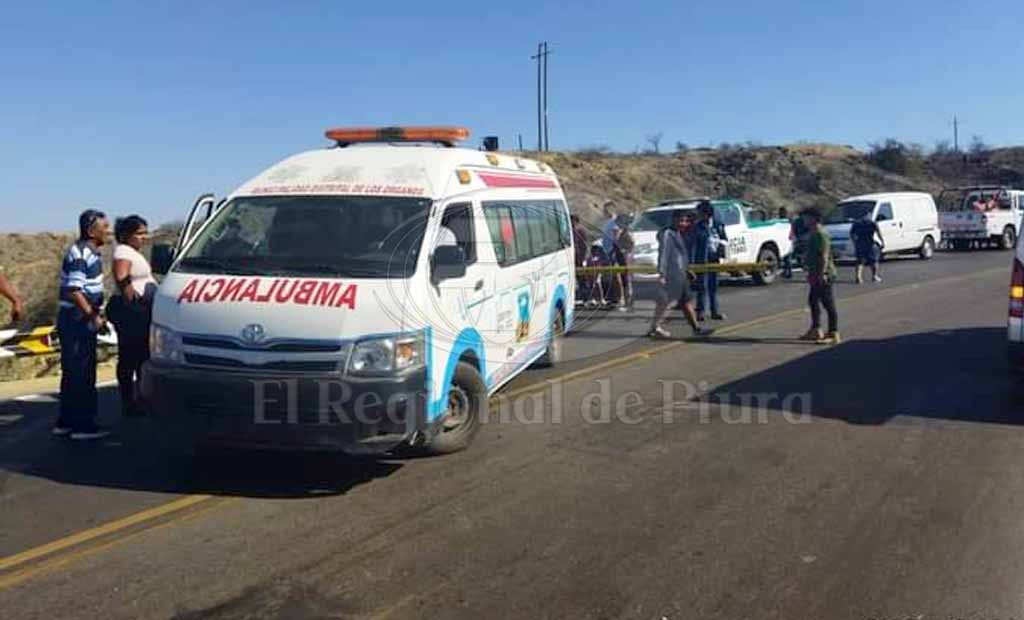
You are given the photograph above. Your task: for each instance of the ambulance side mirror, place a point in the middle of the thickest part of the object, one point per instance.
(161, 258)
(449, 262)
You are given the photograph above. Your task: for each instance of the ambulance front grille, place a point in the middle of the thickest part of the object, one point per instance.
(282, 346)
(324, 366)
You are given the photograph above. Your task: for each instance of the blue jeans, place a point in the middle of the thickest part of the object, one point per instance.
(707, 292)
(78, 397)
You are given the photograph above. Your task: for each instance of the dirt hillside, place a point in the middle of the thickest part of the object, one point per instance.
(788, 177)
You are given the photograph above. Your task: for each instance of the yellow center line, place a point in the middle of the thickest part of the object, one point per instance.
(106, 529)
(53, 563)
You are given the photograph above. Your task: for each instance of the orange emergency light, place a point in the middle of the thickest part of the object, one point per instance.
(352, 135)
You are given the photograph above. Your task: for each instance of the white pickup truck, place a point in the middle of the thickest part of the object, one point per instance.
(980, 216)
(753, 235)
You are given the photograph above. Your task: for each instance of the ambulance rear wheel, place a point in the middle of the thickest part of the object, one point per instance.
(460, 422)
(553, 353)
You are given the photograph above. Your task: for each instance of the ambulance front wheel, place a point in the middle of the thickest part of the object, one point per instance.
(460, 422)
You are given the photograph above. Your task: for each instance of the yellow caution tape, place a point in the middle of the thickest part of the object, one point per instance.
(694, 269)
(38, 341)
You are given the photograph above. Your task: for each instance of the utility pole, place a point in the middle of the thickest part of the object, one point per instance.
(956, 135)
(540, 126)
(542, 95)
(546, 145)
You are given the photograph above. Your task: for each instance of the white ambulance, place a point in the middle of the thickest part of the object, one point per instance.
(362, 296)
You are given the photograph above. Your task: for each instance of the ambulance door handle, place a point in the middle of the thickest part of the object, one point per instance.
(479, 285)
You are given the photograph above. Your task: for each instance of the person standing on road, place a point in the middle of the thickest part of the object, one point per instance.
(610, 233)
(673, 262)
(581, 248)
(864, 233)
(8, 292)
(130, 311)
(821, 273)
(709, 243)
(78, 321)
(626, 247)
(798, 235)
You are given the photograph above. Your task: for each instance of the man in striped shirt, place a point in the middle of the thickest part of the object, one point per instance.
(79, 319)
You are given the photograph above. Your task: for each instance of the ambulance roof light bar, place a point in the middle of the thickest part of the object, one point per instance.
(446, 136)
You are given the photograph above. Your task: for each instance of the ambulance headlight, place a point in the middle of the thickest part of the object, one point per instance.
(390, 354)
(164, 344)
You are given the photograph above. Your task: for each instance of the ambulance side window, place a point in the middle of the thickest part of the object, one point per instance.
(564, 226)
(459, 219)
(503, 235)
(527, 241)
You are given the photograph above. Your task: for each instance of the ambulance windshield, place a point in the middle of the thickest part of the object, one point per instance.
(314, 236)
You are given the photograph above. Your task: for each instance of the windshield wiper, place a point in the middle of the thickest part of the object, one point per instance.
(202, 262)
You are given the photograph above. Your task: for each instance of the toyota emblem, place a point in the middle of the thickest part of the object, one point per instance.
(253, 333)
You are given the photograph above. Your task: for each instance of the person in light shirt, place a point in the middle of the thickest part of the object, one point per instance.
(131, 310)
(79, 319)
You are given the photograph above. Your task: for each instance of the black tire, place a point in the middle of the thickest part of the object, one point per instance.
(553, 353)
(768, 254)
(456, 430)
(927, 249)
(1008, 240)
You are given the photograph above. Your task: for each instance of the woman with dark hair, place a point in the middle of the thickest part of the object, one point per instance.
(130, 311)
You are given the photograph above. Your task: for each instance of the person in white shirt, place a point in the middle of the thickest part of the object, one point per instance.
(131, 310)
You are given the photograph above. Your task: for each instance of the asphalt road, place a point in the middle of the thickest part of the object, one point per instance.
(748, 476)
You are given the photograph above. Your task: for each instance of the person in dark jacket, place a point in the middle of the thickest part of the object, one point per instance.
(79, 319)
(798, 235)
(673, 262)
(709, 243)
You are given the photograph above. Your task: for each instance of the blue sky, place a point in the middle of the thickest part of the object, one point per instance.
(138, 107)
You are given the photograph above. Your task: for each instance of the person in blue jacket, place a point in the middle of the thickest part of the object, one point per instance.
(709, 242)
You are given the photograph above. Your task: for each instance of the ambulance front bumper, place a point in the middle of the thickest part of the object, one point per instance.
(286, 411)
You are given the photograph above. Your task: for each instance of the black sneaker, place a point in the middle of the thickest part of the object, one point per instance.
(90, 433)
(703, 332)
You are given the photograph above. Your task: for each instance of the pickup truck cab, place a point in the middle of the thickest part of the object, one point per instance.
(754, 236)
(981, 216)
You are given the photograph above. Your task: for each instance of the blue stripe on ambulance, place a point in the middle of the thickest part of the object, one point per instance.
(469, 340)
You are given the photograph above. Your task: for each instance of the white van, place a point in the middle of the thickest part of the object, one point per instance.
(1015, 331)
(908, 221)
(362, 296)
